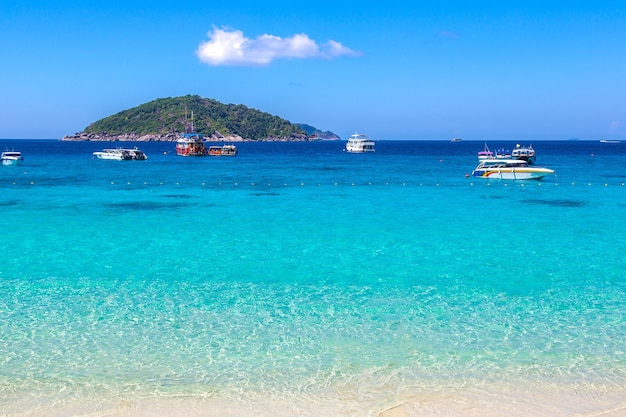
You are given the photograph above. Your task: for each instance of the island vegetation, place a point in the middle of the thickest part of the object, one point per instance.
(165, 119)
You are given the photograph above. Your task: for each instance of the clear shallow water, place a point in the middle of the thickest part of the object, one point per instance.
(295, 273)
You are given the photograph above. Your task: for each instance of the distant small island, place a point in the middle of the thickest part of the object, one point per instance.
(165, 119)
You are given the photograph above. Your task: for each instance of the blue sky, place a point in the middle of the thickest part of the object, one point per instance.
(480, 70)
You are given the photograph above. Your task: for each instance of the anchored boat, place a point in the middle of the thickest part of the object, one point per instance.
(509, 169)
(224, 150)
(527, 153)
(360, 143)
(121, 154)
(12, 158)
(191, 144)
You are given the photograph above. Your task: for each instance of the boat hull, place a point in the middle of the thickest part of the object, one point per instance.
(109, 156)
(12, 161)
(121, 154)
(359, 150)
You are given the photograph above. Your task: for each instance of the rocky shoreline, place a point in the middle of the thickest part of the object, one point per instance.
(173, 137)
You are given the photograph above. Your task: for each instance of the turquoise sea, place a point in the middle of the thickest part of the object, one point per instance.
(298, 280)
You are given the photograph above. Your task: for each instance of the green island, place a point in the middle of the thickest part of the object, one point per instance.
(165, 119)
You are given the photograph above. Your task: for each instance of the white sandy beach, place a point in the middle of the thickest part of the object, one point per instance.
(486, 401)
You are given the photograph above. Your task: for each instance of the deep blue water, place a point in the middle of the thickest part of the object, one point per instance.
(298, 270)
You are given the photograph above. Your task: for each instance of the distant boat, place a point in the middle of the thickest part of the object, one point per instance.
(12, 158)
(121, 154)
(191, 144)
(360, 143)
(456, 140)
(229, 150)
(225, 150)
(503, 153)
(610, 141)
(485, 154)
(526, 153)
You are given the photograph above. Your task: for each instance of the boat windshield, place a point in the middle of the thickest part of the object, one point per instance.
(498, 163)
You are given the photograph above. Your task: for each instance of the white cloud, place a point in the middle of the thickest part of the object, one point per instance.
(230, 47)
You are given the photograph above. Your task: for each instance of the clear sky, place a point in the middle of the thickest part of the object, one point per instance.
(480, 70)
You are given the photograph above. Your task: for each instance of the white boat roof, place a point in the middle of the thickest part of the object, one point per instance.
(359, 136)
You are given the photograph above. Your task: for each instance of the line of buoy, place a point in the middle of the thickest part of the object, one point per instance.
(302, 184)
(403, 184)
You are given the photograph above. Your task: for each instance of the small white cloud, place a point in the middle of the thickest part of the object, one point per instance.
(230, 47)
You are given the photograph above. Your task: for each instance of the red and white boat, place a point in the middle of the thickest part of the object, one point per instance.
(191, 144)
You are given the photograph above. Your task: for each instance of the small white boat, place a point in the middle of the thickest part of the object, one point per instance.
(360, 143)
(526, 153)
(610, 141)
(229, 150)
(12, 158)
(456, 140)
(509, 169)
(113, 154)
(121, 154)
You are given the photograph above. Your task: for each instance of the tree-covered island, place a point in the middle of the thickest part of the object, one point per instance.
(165, 119)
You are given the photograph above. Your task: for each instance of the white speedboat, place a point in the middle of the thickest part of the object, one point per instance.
(360, 143)
(526, 153)
(121, 154)
(509, 169)
(12, 158)
(113, 154)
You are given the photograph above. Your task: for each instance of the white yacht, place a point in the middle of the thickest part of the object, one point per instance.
(360, 143)
(12, 158)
